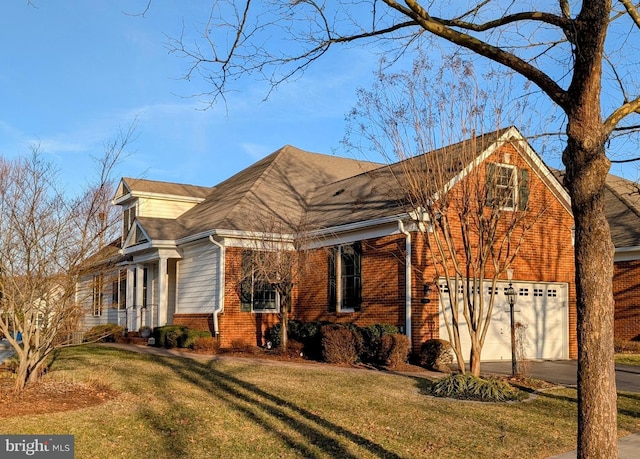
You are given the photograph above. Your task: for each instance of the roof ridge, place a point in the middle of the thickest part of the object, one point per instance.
(276, 155)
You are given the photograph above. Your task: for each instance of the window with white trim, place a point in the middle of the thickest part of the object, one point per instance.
(96, 294)
(507, 186)
(345, 278)
(256, 295)
(119, 291)
(128, 217)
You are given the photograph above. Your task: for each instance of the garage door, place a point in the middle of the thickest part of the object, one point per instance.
(541, 308)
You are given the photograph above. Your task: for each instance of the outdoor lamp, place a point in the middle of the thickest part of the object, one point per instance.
(512, 297)
(426, 290)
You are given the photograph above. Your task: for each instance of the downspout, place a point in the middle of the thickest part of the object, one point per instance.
(407, 276)
(220, 306)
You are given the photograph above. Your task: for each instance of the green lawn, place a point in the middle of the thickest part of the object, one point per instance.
(178, 408)
(628, 359)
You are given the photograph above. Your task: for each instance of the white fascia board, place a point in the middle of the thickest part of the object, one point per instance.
(131, 250)
(236, 234)
(542, 169)
(359, 231)
(160, 196)
(626, 254)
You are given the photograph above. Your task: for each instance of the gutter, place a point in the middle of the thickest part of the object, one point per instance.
(220, 306)
(407, 275)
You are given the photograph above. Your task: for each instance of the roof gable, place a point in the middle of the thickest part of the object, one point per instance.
(134, 187)
(380, 192)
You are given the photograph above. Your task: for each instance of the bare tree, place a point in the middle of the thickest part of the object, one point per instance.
(273, 265)
(45, 239)
(563, 48)
(473, 230)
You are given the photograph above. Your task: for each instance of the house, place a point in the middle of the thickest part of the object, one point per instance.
(622, 206)
(184, 249)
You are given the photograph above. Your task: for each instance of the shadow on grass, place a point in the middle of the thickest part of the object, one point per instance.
(265, 410)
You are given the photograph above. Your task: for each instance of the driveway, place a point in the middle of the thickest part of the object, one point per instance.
(564, 372)
(5, 350)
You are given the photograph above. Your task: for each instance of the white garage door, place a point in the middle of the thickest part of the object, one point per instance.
(541, 308)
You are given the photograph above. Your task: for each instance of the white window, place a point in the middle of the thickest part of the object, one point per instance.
(507, 187)
(96, 291)
(345, 278)
(256, 295)
(128, 217)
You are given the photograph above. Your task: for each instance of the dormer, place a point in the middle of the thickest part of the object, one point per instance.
(150, 198)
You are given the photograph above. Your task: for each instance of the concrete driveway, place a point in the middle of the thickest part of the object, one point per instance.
(5, 350)
(565, 372)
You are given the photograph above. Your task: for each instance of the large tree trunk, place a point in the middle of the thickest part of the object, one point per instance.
(587, 168)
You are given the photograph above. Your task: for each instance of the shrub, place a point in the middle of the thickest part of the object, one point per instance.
(106, 333)
(169, 335)
(436, 354)
(189, 337)
(308, 333)
(295, 349)
(207, 344)
(469, 387)
(371, 341)
(394, 349)
(242, 345)
(340, 344)
(626, 347)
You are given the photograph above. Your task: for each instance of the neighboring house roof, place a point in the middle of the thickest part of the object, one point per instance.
(622, 206)
(110, 254)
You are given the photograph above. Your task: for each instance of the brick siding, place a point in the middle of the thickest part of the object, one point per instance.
(626, 291)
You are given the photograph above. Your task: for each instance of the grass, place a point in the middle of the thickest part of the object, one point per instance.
(628, 359)
(176, 408)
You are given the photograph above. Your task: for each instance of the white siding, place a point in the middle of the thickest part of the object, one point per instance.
(542, 307)
(197, 282)
(84, 297)
(159, 208)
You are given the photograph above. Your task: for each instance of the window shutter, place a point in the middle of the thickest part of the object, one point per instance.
(523, 181)
(246, 283)
(491, 184)
(332, 279)
(357, 249)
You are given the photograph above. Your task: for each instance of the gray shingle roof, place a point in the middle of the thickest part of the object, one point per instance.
(382, 192)
(175, 189)
(622, 206)
(279, 185)
(161, 229)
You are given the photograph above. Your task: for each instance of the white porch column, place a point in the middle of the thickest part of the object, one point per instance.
(163, 291)
(139, 301)
(131, 299)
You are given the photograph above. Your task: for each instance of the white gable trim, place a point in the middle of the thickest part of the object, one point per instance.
(626, 254)
(513, 136)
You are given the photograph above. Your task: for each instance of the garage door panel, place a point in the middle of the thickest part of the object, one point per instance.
(541, 308)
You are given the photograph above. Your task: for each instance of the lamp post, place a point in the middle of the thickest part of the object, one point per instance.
(512, 297)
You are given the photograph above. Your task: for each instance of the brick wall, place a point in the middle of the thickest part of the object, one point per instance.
(545, 255)
(195, 321)
(626, 292)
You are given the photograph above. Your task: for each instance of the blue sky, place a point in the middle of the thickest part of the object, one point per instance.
(74, 72)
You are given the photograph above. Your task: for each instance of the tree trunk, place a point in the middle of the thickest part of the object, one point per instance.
(284, 329)
(587, 168)
(474, 364)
